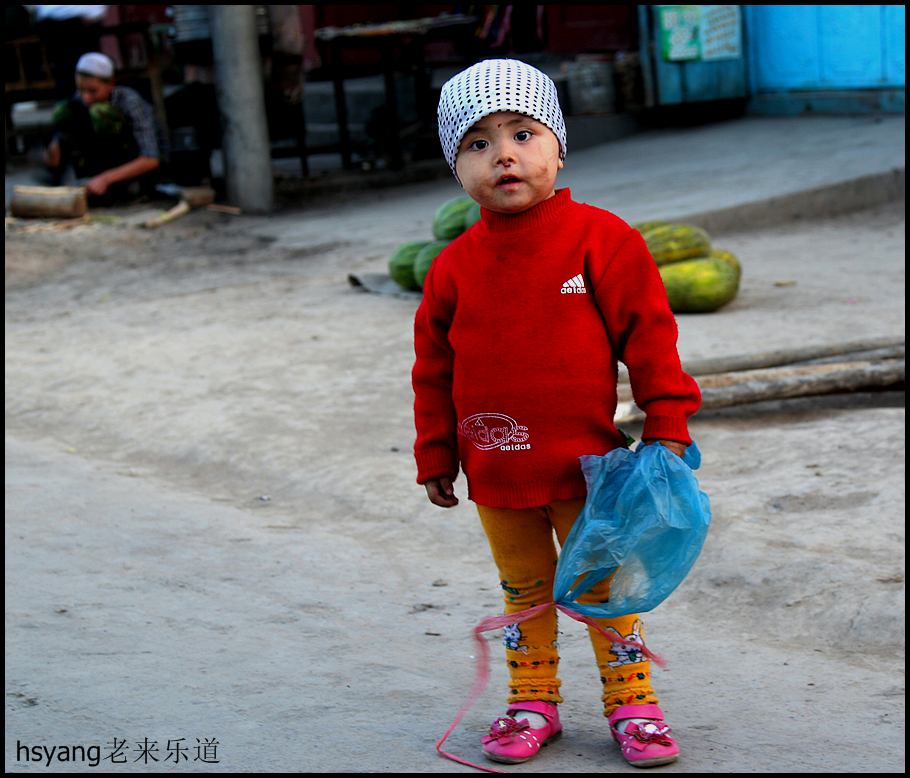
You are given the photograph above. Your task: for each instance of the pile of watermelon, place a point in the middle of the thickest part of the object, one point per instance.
(698, 277)
(410, 262)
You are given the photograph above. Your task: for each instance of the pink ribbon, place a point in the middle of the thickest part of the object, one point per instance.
(645, 734)
(482, 675)
(505, 729)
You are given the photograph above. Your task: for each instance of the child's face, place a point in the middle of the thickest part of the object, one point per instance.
(508, 162)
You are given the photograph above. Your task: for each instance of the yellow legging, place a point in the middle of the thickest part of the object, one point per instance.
(523, 550)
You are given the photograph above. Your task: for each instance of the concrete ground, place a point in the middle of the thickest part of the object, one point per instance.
(213, 530)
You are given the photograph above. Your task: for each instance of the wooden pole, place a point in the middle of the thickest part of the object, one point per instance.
(699, 367)
(809, 367)
(781, 383)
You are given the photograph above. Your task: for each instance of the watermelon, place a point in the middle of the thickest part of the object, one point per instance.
(107, 119)
(425, 258)
(401, 263)
(675, 242)
(699, 285)
(448, 221)
(472, 215)
(643, 227)
(726, 256)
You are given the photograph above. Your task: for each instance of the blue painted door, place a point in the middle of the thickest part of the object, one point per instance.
(711, 67)
(825, 47)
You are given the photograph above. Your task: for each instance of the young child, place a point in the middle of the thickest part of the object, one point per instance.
(523, 319)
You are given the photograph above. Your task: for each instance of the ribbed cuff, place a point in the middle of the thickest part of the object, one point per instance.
(666, 428)
(436, 463)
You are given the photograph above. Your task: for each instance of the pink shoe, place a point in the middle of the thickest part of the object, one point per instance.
(512, 741)
(644, 745)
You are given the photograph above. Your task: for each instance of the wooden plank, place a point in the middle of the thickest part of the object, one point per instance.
(727, 364)
(790, 382)
(803, 368)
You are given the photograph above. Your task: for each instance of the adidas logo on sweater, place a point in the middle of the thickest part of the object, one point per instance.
(574, 285)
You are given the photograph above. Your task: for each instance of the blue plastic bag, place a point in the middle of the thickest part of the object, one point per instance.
(645, 519)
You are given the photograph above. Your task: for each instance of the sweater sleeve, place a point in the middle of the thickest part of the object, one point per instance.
(142, 120)
(643, 332)
(436, 446)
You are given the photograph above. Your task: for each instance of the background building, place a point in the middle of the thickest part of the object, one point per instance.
(356, 84)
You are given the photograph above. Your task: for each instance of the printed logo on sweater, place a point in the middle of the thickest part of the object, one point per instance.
(575, 285)
(495, 430)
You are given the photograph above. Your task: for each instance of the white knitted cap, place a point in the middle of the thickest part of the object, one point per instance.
(96, 64)
(496, 85)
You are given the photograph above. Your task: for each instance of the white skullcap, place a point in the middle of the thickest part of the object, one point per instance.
(496, 85)
(95, 64)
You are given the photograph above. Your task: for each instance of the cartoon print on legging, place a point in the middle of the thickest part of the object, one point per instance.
(512, 637)
(627, 655)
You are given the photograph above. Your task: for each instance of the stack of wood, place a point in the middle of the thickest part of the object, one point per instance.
(868, 365)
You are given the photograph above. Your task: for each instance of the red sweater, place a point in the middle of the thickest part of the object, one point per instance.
(523, 319)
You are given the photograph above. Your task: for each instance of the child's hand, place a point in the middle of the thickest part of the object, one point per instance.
(441, 492)
(677, 448)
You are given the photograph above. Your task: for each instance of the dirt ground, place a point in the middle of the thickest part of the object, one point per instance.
(213, 528)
